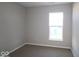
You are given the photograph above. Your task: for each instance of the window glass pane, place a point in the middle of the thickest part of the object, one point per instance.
(56, 19)
(55, 33)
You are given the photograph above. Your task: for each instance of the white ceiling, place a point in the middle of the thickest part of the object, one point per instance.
(36, 4)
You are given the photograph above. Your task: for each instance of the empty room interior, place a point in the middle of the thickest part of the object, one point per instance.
(39, 29)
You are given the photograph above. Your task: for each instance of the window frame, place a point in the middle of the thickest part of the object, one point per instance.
(54, 39)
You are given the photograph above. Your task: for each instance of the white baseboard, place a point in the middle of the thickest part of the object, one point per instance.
(37, 45)
(17, 48)
(49, 45)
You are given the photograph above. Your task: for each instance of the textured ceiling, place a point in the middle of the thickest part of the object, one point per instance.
(36, 4)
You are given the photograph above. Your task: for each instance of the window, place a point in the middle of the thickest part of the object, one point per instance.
(56, 26)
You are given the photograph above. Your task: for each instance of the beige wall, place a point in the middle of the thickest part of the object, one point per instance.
(12, 18)
(37, 25)
(75, 30)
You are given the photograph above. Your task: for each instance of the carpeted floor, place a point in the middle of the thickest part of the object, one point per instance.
(41, 51)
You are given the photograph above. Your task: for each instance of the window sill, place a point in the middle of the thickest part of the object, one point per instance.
(56, 39)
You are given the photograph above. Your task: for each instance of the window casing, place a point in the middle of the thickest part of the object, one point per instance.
(56, 26)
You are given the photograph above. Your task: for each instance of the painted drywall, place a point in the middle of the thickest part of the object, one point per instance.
(12, 18)
(37, 21)
(75, 30)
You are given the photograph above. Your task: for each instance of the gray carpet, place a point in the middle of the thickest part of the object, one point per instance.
(41, 51)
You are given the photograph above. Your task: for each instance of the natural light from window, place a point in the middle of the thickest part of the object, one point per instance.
(56, 26)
